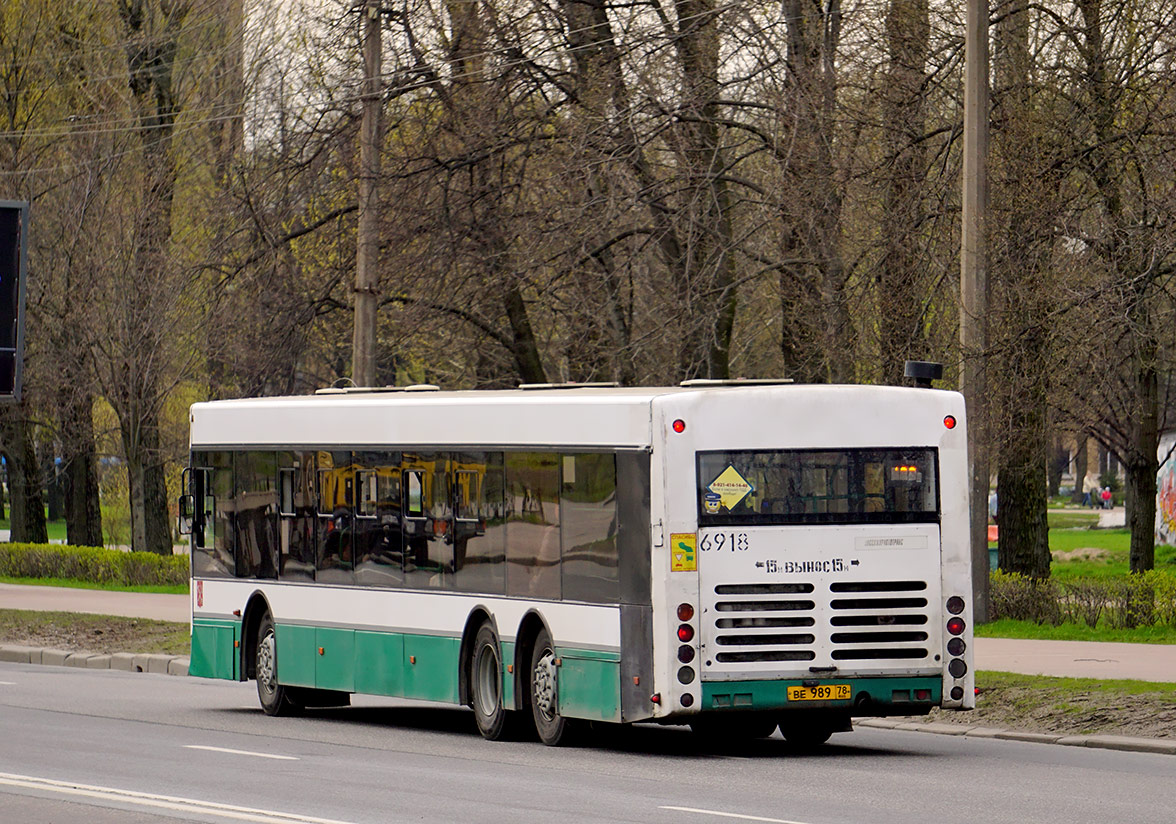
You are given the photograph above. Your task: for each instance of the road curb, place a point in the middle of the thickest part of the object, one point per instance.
(1161, 746)
(124, 661)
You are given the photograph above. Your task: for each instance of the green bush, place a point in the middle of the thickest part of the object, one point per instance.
(1024, 598)
(92, 565)
(1122, 602)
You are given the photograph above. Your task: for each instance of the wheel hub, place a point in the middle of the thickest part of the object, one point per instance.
(543, 680)
(266, 671)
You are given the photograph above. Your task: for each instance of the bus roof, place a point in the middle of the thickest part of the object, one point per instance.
(588, 417)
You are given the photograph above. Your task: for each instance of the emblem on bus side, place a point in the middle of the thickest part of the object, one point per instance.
(683, 554)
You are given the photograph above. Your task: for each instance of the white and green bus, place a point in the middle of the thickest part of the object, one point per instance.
(735, 557)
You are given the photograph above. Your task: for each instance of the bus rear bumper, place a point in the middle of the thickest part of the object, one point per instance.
(867, 697)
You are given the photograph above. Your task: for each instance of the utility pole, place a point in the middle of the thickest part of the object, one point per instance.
(367, 243)
(974, 290)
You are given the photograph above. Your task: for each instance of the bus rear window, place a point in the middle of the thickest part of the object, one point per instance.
(818, 486)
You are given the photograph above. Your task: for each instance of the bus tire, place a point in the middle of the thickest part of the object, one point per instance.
(486, 685)
(275, 699)
(543, 693)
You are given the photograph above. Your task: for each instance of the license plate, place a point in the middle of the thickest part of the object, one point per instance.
(825, 692)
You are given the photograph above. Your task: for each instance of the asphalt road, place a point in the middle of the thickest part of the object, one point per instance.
(104, 746)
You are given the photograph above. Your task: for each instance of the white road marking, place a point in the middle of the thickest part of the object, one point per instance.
(732, 815)
(241, 752)
(164, 802)
(8, 683)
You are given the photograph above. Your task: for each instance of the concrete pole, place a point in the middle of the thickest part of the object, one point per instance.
(974, 291)
(367, 241)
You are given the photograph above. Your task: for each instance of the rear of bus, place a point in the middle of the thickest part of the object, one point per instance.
(817, 564)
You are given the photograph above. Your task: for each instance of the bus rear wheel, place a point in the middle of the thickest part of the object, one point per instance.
(543, 692)
(486, 685)
(275, 699)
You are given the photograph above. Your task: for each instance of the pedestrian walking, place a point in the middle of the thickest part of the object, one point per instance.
(1089, 490)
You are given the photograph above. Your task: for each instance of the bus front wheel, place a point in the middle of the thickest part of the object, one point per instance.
(486, 685)
(275, 699)
(543, 692)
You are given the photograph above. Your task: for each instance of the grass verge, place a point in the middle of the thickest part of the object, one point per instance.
(1009, 628)
(74, 583)
(1069, 706)
(75, 631)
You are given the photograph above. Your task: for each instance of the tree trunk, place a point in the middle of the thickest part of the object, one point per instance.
(150, 529)
(27, 524)
(1058, 462)
(1081, 462)
(83, 514)
(1141, 469)
(814, 305)
(1024, 528)
(902, 275)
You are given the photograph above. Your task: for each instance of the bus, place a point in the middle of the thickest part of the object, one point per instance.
(736, 556)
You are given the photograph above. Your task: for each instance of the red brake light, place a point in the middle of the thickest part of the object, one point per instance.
(949, 421)
(685, 633)
(679, 425)
(685, 612)
(955, 625)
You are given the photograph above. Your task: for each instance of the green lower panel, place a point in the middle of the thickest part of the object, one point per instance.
(508, 678)
(297, 654)
(430, 667)
(379, 663)
(590, 686)
(214, 651)
(335, 664)
(886, 694)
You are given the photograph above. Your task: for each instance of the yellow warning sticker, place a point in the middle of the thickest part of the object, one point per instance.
(683, 552)
(731, 487)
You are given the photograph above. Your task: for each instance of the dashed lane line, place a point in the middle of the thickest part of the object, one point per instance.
(740, 816)
(163, 802)
(241, 752)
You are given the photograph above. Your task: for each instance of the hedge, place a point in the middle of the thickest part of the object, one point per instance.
(92, 564)
(1122, 603)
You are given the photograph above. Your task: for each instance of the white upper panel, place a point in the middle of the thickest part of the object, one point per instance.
(584, 417)
(730, 417)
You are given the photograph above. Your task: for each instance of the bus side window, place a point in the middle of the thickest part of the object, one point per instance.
(414, 506)
(286, 487)
(214, 525)
(366, 482)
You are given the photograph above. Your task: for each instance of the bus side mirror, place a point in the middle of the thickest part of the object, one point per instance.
(187, 508)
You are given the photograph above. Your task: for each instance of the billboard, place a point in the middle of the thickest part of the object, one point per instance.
(14, 230)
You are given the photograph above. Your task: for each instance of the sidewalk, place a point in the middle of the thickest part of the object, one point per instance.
(96, 602)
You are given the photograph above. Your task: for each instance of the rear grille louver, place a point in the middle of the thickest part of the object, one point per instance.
(882, 604)
(878, 621)
(761, 611)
